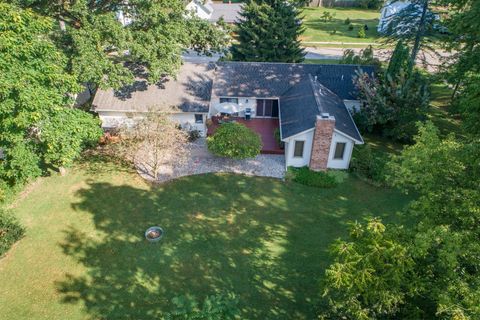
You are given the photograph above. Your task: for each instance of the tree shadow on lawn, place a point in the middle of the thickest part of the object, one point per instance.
(264, 240)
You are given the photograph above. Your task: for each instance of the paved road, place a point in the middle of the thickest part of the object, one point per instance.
(431, 61)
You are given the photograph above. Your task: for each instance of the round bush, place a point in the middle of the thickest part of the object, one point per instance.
(234, 140)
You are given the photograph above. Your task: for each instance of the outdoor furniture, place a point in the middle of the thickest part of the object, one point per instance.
(248, 113)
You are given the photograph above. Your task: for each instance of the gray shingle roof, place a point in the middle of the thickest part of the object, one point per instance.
(189, 92)
(230, 12)
(259, 79)
(301, 104)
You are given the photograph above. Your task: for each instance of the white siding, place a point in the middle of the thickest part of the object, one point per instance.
(345, 162)
(307, 149)
(198, 10)
(111, 119)
(243, 103)
(352, 105)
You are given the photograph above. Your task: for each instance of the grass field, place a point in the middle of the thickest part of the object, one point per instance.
(317, 30)
(84, 255)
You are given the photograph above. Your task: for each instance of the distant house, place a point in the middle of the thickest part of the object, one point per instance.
(308, 104)
(214, 11)
(389, 11)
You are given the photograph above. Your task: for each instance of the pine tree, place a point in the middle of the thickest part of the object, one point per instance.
(269, 31)
(400, 59)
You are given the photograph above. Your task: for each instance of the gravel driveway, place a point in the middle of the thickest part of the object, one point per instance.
(202, 161)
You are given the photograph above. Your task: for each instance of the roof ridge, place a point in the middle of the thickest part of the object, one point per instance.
(313, 82)
(295, 63)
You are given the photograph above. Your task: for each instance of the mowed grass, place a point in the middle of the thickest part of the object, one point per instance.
(317, 30)
(84, 255)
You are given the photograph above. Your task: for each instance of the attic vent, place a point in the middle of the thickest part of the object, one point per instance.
(325, 115)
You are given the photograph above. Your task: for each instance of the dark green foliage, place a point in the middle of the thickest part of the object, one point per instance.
(218, 307)
(234, 140)
(279, 141)
(371, 4)
(65, 133)
(311, 178)
(350, 27)
(370, 274)
(469, 104)
(156, 36)
(269, 31)
(36, 123)
(369, 164)
(400, 60)
(392, 105)
(10, 232)
(347, 21)
(429, 268)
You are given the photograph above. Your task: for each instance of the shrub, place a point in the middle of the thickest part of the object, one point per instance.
(347, 21)
(10, 232)
(361, 33)
(217, 307)
(350, 27)
(311, 178)
(193, 135)
(234, 140)
(368, 164)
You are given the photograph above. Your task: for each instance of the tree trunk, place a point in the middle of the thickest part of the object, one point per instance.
(420, 33)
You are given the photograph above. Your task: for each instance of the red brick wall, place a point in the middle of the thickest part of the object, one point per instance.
(322, 139)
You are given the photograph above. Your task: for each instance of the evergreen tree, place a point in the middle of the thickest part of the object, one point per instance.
(269, 31)
(399, 60)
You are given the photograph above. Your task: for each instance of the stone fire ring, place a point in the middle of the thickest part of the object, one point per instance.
(154, 234)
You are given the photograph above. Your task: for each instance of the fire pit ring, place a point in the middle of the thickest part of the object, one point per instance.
(154, 234)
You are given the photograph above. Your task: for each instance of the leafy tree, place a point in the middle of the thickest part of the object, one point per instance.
(235, 141)
(34, 90)
(151, 142)
(438, 274)
(463, 66)
(370, 276)
(95, 41)
(269, 31)
(65, 133)
(392, 104)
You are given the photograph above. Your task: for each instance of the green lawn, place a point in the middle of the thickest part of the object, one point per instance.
(84, 255)
(316, 30)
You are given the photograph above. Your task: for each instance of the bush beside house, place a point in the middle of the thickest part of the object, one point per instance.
(234, 140)
(311, 178)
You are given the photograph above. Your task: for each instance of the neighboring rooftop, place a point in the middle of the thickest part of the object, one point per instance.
(189, 92)
(230, 12)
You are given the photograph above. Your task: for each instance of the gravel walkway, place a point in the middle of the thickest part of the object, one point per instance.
(202, 161)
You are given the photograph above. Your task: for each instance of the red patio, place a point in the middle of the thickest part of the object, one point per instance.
(265, 127)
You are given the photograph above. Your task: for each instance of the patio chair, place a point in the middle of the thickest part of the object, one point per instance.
(248, 113)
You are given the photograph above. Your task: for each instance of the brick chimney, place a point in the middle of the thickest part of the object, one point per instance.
(322, 139)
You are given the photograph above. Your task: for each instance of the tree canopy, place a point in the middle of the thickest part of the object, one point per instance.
(155, 33)
(269, 31)
(35, 89)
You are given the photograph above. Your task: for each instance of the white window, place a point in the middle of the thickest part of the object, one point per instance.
(298, 149)
(231, 100)
(339, 151)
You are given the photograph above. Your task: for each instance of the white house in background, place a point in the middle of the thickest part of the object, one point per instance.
(388, 12)
(307, 103)
(213, 11)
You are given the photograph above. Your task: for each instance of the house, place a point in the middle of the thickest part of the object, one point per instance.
(389, 11)
(308, 103)
(214, 11)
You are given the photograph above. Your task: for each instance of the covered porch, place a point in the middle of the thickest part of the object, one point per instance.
(265, 127)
